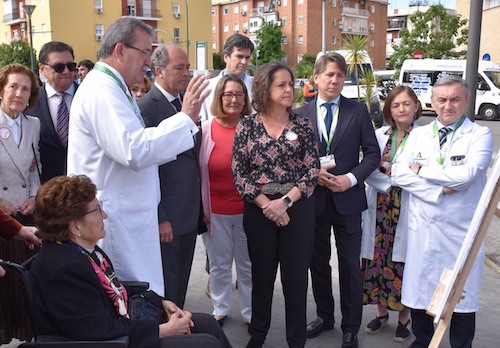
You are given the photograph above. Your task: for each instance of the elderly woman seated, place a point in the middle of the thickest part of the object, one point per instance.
(78, 294)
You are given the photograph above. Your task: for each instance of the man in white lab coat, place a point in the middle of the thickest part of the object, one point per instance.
(443, 167)
(108, 142)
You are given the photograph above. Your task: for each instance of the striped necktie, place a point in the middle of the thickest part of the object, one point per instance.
(62, 120)
(177, 104)
(442, 135)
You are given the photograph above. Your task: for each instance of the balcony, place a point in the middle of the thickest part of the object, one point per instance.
(142, 13)
(353, 12)
(13, 17)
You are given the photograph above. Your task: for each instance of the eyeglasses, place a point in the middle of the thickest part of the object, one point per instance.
(147, 53)
(229, 96)
(59, 67)
(94, 210)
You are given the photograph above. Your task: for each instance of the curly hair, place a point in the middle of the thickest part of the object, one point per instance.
(393, 94)
(262, 82)
(16, 68)
(60, 201)
(217, 108)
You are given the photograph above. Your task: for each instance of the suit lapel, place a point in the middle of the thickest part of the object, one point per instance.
(45, 116)
(345, 117)
(162, 104)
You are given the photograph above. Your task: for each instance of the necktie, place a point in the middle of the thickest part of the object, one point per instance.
(177, 104)
(328, 120)
(62, 120)
(442, 135)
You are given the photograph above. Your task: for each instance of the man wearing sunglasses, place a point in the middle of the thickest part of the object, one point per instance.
(57, 66)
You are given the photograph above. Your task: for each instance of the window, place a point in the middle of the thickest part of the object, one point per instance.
(226, 28)
(176, 8)
(245, 7)
(236, 27)
(284, 2)
(334, 40)
(284, 21)
(213, 12)
(177, 34)
(284, 39)
(226, 10)
(43, 28)
(371, 9)
(334, 3)
(300, 20)
(300, 2)
(300, 39)
(299, 57)
(372, 43)
(334, 21)
(213, 29)
(236, 9)
(214, 45)
(97, 3)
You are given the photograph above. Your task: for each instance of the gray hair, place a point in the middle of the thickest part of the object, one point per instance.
(122, 30)
(237, 40)
(449, 80)
(160, 56)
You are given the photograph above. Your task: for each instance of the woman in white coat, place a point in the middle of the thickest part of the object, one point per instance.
(225, 240)
(385, 223)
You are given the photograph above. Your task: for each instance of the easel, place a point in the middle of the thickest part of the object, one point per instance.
(452, 283)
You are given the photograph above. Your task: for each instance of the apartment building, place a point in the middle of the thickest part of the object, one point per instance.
(302, 26)
(82, 24)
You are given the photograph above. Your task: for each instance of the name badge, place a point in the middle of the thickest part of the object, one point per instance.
(327, 160)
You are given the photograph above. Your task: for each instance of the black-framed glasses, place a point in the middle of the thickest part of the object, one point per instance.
(229, 96)
(96, 209)
(59, 67)
(147, 53)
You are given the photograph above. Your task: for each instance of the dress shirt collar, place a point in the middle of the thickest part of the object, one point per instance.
(52, 92)
(167, 95)
(335, 101)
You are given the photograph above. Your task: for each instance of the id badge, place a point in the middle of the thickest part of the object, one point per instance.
(327, 160)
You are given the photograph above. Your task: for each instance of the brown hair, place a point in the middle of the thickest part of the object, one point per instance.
(390, 98)
(16, 68)
(217, 108)
(330, 57)
(60, 201)
(263, 79)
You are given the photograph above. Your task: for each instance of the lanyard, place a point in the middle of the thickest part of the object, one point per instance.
(108, 72)
(394, 143)
(446, 148)
(322, 127)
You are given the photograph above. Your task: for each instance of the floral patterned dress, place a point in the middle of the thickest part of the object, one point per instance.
(382, 277)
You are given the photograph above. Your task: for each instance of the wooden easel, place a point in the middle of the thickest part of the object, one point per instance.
(452, 283)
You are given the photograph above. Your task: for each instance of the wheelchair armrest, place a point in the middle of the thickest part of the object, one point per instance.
(135, 287)
(57, 341)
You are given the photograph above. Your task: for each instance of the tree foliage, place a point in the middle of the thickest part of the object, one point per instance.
(17, 52)
(433, 32)
(305, 68)
(218, 61)
(269, 38)
(357, 54)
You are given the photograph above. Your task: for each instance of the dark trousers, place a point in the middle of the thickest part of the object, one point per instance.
(347, 231)
(177, 259)
(290, 247)
(206, 333)
(462, 329)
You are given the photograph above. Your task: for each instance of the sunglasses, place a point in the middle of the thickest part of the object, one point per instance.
(59, 67)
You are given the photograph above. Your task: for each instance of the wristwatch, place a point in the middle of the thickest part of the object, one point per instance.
(287, 200)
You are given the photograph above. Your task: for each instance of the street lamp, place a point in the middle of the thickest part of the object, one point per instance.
(29, 11)
(164, 32)
(187, 28)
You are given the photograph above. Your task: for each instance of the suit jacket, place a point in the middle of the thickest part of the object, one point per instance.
(70, 301)
(180, 179)
(53, 154)
(17, 182)
(354, 131)
(8, 226)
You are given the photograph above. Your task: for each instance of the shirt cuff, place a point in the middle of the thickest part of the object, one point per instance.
(353, 179)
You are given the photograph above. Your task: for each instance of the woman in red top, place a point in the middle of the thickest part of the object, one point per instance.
(223, 207)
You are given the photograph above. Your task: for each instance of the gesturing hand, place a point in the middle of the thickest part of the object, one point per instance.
(196, 93)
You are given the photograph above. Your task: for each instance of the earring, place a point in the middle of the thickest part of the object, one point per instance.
(79, 234)
(28, 104)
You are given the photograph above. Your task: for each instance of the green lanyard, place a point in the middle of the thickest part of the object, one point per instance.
(328, 137)
(108, 72)
(442, 156)
(394, 142)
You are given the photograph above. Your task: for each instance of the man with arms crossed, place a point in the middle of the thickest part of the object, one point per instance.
(343, 126)
(108, 142)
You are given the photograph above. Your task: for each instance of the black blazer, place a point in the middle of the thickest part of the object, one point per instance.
(354, 131)
(70, 301)
(53, 154)
(180, 179)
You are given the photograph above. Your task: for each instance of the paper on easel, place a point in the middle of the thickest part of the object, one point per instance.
(440, 291)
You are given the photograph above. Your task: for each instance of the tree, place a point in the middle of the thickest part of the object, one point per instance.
(305, 68)
(269, 49)
(218, 61)
(17, 52)
(433, 32)
(357, 54)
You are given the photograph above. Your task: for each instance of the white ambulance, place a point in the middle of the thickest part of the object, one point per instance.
(421, 74)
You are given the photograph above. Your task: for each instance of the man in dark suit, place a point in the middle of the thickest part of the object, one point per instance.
(52, 108)
(180, 206)
(343, 126)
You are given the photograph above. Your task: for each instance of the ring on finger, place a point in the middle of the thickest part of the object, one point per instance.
(281, 224)
(271, 217)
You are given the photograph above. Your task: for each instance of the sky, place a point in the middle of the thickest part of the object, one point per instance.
(404, 3)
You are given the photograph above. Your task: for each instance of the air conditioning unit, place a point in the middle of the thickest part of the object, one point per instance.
(243, 13)
(23, 25)
(177, 39)
(372, 27)
(278, 3)
(98, 9)
(236, 31)
(98, 37)
(245, 30)
(177, 15)
(361, 2)
(278, 23)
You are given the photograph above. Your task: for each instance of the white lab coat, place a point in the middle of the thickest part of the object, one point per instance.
(108, 143)
(437, 223)
(380, 182)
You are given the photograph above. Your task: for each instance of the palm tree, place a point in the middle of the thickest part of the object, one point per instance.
(357, 54)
